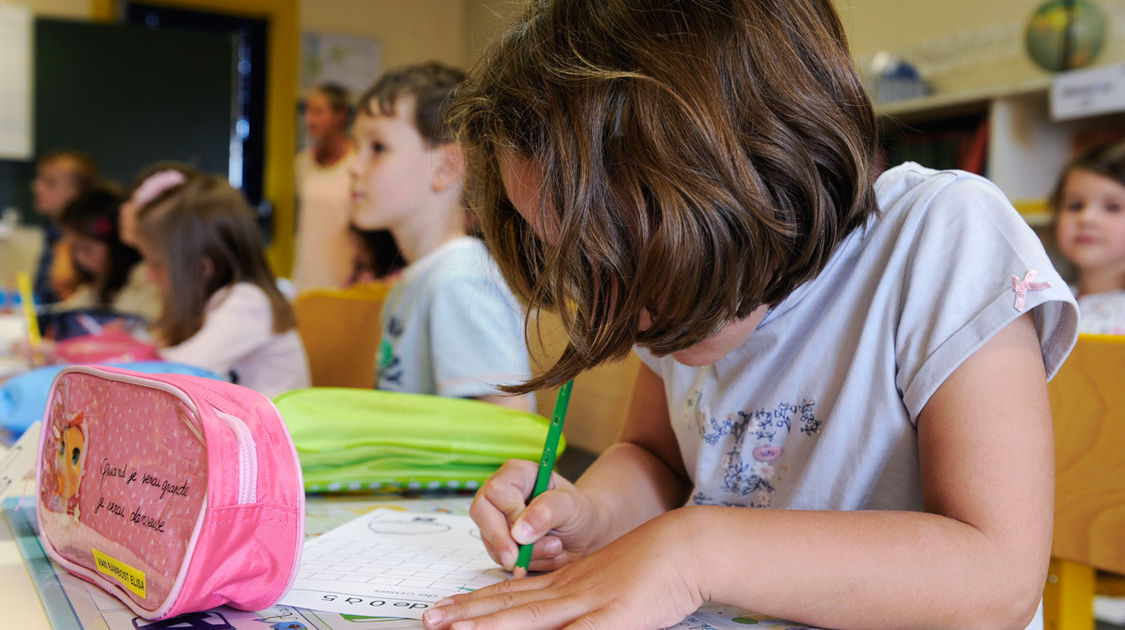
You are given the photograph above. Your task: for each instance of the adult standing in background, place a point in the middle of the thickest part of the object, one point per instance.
(323, 190)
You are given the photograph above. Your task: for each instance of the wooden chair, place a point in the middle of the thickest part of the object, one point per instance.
(340, 329)
(600, 397)
(1088, 404)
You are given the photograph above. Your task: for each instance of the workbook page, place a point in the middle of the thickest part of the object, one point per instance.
(392, 564)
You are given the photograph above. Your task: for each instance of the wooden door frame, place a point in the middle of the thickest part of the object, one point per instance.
(281, 99)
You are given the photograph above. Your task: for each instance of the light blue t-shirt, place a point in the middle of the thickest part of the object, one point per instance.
(817, 409)
(451, 326)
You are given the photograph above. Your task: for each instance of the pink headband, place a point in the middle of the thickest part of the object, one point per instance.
(154, 185)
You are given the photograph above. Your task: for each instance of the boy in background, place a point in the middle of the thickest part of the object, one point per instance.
(451, 326)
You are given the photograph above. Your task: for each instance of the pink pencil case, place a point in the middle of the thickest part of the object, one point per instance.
(110, 346)
(174, 493)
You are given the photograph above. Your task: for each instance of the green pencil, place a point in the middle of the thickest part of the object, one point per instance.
(547, 460)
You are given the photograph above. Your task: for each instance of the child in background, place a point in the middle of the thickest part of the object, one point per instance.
(149, 183)
(450, 325)
(222, 309)
(62, 176)
(375, 256)
(90, 228)
(1089, 204)
(844, 376)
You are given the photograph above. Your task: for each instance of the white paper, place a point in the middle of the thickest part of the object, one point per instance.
(17, 466)
(15, 82)
(393, 564)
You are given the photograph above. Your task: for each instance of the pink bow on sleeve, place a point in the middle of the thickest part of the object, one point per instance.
(1028, 284)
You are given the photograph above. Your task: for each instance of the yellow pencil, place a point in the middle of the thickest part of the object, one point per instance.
(28, 303)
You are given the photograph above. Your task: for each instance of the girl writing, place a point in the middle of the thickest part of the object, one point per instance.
(222, 309)
(1089, 204)
(844, 377)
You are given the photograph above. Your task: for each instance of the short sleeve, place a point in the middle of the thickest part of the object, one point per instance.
(972, 266)
(477, 332)
(649, 359)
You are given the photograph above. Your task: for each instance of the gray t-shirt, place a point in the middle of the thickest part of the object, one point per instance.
(451, 326)
(817, 409)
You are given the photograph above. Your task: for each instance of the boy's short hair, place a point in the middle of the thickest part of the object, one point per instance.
(430, 84)
(83, 168)
(701, 159)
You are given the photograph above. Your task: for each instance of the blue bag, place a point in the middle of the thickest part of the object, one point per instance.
(24, 397)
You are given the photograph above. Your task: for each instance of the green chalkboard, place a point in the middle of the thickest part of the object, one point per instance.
(128, 96)
(131, 96)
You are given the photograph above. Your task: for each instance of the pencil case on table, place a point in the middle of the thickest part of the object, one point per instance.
(109, 346)
(174, 493)
(352, 439)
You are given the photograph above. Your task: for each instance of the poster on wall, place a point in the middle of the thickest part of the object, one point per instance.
(15, 82)
(350, 60)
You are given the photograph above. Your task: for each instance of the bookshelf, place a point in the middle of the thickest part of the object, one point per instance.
(1025, 149)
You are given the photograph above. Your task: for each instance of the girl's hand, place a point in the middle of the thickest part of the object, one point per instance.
(645, 579)
(44, 355)
(561, 521)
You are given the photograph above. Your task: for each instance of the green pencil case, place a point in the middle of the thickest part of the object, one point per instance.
(360, 439)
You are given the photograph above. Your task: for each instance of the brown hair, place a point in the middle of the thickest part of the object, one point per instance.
(94, 214)
(206, 219)
(699, 159)
(82, 166)
(185, 169)
(431, 85)
(1107, 160)
(336, 95)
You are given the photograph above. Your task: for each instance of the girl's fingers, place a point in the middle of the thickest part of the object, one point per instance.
(497, 505)
(494, 532)
(524, 608)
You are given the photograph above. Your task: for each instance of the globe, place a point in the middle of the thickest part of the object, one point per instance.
(1065, 34)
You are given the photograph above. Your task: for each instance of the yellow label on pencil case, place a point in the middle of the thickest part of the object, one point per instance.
(133, 579)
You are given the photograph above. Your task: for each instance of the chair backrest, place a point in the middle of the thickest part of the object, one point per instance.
(600, 397)
(1088, 404)
(340, 329)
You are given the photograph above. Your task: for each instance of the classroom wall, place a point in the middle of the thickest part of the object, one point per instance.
(960, 45)
(412, 31)
(55, 8)
(963, 33)
(453, 31)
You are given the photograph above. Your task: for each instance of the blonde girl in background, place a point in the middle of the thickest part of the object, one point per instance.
(1089, 204)
(842, 416)
(222, 309)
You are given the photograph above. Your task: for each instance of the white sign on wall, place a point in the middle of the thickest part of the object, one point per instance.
(349, 60)
(1088, 92)
(15, 82)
